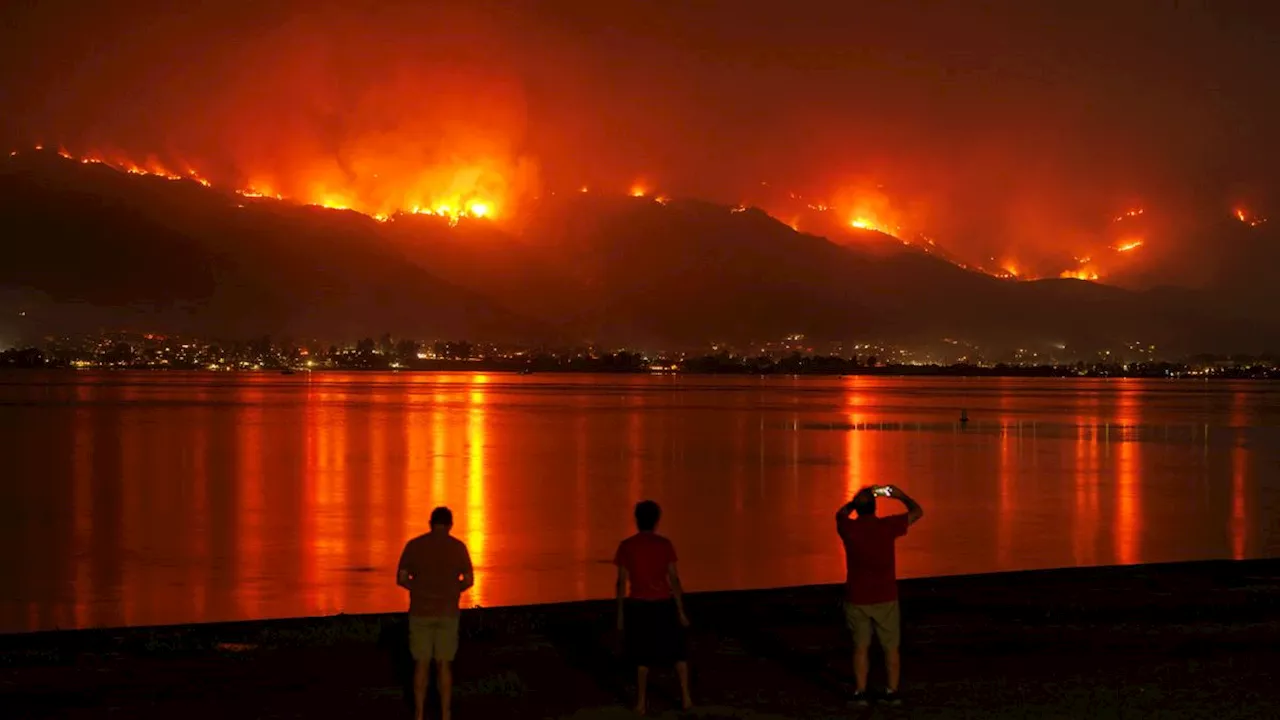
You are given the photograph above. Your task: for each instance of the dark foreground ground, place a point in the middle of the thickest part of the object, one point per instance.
(1195, 640)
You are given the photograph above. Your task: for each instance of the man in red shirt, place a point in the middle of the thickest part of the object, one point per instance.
(871, 585)
(651, 617)
(435, 568)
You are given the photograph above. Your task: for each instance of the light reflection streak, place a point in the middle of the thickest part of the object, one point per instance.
(1006, 471)
(635, 435)
(315, 453)
(197, 579)
(582, 519)
(477, 519)
(1085, 481)
(1128, 485)
(331, 519)
(133, 453)
(1239, 471)
(82, 507)
(375, 547)
(855, 457)
(251, 500)
(423, 441)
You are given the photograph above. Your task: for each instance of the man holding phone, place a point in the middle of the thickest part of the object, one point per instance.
(871, 585)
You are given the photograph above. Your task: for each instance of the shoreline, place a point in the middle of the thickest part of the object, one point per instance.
(909, 589)
(1165, 371)
(1197, 638)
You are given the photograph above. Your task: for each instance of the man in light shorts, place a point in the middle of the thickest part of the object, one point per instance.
(436, 569)
(871, 585)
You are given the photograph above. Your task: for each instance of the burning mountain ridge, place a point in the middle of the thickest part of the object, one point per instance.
(177, 255)
(489, 189)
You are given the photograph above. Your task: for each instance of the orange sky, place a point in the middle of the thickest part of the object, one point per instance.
(1015, 135)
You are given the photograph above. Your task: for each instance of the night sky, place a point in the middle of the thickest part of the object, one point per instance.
(1004, 127)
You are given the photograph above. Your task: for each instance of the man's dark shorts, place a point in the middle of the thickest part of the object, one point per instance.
(653, 634)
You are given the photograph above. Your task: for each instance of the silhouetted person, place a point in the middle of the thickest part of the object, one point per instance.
(871, 585)
(436, 569)
(651, 615)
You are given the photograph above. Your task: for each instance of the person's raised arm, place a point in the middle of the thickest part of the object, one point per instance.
(468, 573)
(914, 511)
(843, 512)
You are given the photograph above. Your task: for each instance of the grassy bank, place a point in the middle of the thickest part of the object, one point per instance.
(1182, 640)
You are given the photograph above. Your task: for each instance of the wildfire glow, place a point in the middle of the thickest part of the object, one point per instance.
(1248, 218)
(485, 191)
(1082, 274)
(460, 192)
(865, 223)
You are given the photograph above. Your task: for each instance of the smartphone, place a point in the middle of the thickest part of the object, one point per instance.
(881, 491)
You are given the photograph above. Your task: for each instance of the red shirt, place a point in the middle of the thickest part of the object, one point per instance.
(436, 563)
(870, 562)
(646, 556)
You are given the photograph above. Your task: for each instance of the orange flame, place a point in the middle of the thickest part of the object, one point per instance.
(866, 223)
(453, 194)
(1082, 274)
(1247, 218)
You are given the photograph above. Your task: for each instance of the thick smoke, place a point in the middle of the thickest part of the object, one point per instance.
(1012, 135)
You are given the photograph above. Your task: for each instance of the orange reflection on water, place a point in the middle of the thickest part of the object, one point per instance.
(856, 471)
(377, 513)
(82, 511)
(133, 454)
(217, 497)
(197, 571)
(476, 536)
(251, 502)
(1239, 469)
(632, 449)
(329, 513)
(1085, 482)
(582, 516)
(1006, 477)
(1128, 475)
(314, 452)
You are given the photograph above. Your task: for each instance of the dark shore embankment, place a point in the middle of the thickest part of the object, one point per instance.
(1192, 640)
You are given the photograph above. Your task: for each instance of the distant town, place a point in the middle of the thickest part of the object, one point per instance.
(788, 356)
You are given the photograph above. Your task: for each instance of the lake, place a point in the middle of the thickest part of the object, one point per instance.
(156, 498)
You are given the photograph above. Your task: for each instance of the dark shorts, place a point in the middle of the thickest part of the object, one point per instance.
(653, 634)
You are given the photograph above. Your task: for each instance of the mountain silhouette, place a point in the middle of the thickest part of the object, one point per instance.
(189, 259)
(616, 270)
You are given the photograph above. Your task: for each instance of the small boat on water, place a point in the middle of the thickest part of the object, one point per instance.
(526, 371)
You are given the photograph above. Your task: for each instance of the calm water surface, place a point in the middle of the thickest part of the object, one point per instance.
(137, 499)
